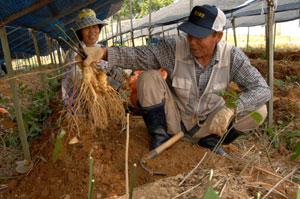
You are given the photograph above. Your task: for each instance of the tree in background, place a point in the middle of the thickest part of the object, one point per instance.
(140, 8)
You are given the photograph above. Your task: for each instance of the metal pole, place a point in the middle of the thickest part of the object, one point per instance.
(142, 37)
(53, 51)
(178, 30)
(43, 75)
(191, 5)
(12, 82)
(105, 29)
(120, 26)
(49, 49)
(270, 57)
(112, 31)
(247, 46)
(275, 34)
(30, 65)
(163, 32)
(226, 34)
(131, 25)
(149, 28)
(24, 58)
(59, 55)
(233, 28)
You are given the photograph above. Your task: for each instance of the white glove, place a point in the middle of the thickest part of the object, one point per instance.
(94, 54)
(221, 121)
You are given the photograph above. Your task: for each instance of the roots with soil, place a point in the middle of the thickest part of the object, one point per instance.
(96, 103)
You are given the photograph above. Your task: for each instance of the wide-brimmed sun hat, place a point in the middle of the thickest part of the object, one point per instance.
(87, 17)
(203, 21)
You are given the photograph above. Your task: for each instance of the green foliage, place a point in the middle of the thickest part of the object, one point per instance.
(211, 193)
(58, 150)
(34, 114)
(289, 80)
(230, 98)
(296, 151)
(141, 8)
(256, 116)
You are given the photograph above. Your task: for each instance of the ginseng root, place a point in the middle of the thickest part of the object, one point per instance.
(97, 102)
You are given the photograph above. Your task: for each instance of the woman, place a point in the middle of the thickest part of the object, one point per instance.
(87, 28)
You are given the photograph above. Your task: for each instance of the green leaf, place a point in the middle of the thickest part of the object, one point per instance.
(256, 116)
(219, 93)
(279, 82)
(296, 151)
(270, 131)
(234, 93)
(296, 134)
(58, 146)
(230, 103)
(211, 194)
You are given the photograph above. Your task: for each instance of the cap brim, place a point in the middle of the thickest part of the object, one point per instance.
(194, 30)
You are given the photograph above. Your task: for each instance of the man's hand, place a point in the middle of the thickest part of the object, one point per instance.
(94, 54)
(220, 121)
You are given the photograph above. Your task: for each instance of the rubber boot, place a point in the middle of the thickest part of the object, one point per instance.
(211, 141)
(155, 120)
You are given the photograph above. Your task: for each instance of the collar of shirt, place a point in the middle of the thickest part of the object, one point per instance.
(214, 60)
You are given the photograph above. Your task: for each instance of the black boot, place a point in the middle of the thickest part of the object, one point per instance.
(210, 142)
(232, 135)
(155, 120)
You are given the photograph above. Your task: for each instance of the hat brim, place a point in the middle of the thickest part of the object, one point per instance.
(89, 21)
(194, 30)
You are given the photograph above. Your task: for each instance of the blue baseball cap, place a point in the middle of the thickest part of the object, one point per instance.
(203, 21)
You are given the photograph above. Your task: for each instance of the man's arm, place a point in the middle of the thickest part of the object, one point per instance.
(256, 91)
(155, 56)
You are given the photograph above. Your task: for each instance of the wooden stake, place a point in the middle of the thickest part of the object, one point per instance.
(12, 82)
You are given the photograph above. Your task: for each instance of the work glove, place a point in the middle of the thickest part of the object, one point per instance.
(221, 121)
(94, 54)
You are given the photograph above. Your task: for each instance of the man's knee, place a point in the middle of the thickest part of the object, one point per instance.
(247, 123)
(148, 76)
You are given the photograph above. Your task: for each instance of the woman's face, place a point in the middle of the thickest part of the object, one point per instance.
(90, 35)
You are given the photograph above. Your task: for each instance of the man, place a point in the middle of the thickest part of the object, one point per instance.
(197, 65)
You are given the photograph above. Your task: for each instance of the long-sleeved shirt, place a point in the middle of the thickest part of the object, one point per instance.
(256, 92)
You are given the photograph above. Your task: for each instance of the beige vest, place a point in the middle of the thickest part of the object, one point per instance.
(192, 107)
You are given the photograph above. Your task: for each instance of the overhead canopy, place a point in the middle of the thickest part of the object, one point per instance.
(246, 13)
(42, 15)
(255, 14)
(178, 12)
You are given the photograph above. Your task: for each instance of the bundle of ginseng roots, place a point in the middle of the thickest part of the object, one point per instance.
(96, 103)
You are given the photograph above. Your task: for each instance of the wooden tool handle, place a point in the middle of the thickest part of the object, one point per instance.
(165, 145)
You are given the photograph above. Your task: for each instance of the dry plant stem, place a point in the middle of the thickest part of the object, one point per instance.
(267, 188)
(268, 156)
(266, 185)
(39, 72)
(248, 151)
(223, 188)
(126, 157)
(280, 181)
(187, 190)
(249, 162)
(191, 172)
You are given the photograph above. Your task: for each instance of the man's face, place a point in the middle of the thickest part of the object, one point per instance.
(203, 47)
(90, 35)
